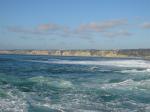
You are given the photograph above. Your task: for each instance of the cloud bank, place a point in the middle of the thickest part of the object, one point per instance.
(111, 28)
(101, 26)
(122, 33)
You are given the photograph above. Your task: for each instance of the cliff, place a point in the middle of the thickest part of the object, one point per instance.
(28, 52)
(101, 53)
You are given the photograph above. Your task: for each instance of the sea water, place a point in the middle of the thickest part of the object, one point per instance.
(73, 84)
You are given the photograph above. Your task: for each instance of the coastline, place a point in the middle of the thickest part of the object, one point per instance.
(123, 53)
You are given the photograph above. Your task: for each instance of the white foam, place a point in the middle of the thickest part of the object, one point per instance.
(58, 83)
(135, 106)
(128, 84)
(13, 102)
(117, 63)
(121, 63)
(135, 71)
(46, 104)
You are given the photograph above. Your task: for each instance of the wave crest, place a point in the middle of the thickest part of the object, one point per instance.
(59, 83)
(117, 63)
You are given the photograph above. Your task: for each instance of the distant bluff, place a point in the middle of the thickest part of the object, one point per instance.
(99, 53)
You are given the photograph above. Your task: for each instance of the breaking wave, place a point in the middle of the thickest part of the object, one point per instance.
(117, 63)
(135, 71)
(12, 100)
(128, 84)
(58, 83)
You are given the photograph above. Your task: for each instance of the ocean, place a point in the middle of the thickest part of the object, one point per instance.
(31, 83)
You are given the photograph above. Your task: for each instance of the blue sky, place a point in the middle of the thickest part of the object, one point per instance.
(74, 24)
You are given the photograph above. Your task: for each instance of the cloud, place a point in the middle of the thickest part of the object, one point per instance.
(48, 27)
(85, 31)
(146, 25)
(101, 26)
(122, 33)
(23, 30)
(51, 27)
(42, 29)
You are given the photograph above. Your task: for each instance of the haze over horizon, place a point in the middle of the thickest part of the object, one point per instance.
(74, 24)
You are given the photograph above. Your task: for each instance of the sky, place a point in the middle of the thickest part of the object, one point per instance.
(74, 24)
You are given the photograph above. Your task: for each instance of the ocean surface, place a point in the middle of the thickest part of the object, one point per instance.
(73, 84)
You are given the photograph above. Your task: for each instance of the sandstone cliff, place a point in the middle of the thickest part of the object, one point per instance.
(101, 53)
(29, 52)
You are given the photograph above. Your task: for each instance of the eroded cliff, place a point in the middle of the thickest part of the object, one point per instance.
(101, 53)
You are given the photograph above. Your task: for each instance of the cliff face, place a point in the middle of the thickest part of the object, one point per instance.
(102, 53)
(135, 52)
(70, 52)
(29, 52)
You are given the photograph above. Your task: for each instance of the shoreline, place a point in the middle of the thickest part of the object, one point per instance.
(124, 53)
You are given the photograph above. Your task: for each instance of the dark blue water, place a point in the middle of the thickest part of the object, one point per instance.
(73, 84)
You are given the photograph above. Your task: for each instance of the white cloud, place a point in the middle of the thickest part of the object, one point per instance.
(146, 25)
(51, 27)
(101, 26)
(85, 31)
(121, 33)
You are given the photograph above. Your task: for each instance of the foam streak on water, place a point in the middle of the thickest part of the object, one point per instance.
(117, 63)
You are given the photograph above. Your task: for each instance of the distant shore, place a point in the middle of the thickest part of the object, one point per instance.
(94, 53)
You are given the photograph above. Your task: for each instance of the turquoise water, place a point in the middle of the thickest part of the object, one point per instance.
(73, 84)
